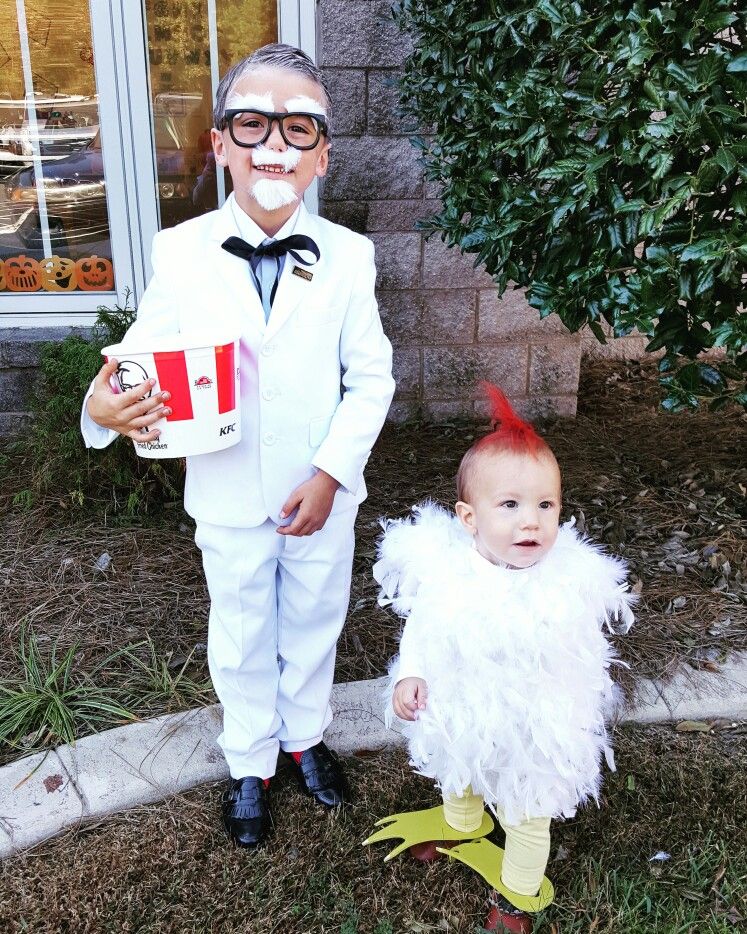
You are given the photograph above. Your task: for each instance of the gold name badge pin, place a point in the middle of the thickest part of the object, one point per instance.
(303, 273)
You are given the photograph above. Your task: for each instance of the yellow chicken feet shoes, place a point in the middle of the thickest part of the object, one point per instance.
(418, 827)
(487, 859)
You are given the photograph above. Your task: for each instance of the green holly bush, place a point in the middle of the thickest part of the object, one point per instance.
(595, 154)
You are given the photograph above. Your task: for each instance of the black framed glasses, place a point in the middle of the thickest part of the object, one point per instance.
(250, 128)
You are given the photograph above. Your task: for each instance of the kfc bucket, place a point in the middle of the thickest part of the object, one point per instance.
(202, 375)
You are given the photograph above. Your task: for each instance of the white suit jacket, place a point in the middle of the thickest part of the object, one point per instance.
(316, 378)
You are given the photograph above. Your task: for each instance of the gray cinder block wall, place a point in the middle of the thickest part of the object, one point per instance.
(20, 359)
(20, 354)
(447, 325)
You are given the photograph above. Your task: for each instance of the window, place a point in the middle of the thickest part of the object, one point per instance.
(105, 116)
(55, 235)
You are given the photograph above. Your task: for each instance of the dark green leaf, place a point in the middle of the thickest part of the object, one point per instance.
(689, 377)
(716, 22)
(704, 280)
(726, 160)
(702, 249)
(638, 204)
(597, 331)
(559, 213)
(738, 63)
(472, 240)
(710, 376)
(662, 163)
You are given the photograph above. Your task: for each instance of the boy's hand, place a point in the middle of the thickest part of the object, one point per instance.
(313, 500)
(410, 695)
(126, 412)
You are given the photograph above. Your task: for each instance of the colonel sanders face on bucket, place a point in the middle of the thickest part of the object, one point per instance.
(131, 374)
(514, 507)
(272, 175)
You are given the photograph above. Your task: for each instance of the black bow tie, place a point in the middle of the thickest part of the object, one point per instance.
(253, 254)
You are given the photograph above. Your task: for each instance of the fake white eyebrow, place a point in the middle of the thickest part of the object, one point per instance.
(305, 105)
(250, 102)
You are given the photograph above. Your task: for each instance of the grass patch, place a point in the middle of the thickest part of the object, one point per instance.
(703, 891)
(52, 702)
(161, 683)
(168, 869)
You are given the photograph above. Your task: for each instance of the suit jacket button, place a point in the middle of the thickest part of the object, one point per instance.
(269, 438)
(268, 394)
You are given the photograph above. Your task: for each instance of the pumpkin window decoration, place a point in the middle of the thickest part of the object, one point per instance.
(58, 274)
(95, 274)
(23, 274)
(2, 275)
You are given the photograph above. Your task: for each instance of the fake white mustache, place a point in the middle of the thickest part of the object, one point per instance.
(287, 160)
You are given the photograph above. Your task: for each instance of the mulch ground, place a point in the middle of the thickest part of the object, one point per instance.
(168, 869)
(666, 492)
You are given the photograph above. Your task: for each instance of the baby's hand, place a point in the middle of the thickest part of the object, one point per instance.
(410, 695)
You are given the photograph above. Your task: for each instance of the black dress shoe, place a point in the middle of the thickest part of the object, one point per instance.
(246, 812)
(320, 775)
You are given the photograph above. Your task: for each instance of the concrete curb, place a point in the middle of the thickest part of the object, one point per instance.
(693, 695)
(45, 794)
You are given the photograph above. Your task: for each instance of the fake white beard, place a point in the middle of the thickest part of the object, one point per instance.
(272, 195)
(269, 193)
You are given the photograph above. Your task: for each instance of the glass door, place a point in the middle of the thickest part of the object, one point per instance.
(190, 45)
(185, 48)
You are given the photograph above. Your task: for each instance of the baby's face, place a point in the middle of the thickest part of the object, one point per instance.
(514, 508)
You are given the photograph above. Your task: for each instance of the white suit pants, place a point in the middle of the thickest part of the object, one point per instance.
(278, 604)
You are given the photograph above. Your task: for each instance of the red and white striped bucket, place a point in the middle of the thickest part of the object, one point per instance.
(202, 375)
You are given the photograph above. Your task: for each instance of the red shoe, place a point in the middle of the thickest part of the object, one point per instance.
(427, 852)
(504, 917)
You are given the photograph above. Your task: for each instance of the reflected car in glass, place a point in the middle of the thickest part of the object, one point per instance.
(75, 194)
(60, 125)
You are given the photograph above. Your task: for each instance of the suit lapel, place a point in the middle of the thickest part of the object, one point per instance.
(233, 273)
(293, 289)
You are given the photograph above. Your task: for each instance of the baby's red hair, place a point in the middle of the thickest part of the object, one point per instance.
(510, 435)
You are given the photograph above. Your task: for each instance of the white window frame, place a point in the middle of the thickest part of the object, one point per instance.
(119, 41)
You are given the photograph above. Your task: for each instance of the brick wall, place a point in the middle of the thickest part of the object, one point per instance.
(445, 321)
(632, 347)
(20, 352)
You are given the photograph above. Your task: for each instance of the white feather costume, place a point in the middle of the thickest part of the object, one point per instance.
(515, 661)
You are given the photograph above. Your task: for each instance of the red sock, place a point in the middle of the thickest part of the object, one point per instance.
(297, 756)
(266, 782)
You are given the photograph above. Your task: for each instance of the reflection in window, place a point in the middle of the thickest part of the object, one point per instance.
(54, 225)
(191, 43)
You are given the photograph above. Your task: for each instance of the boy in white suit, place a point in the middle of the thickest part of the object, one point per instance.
(275, 512)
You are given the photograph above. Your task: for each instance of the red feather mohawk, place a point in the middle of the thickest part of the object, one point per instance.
(510, 435)
(510, 431)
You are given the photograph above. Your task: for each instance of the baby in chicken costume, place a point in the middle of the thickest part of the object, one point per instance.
(503, 673)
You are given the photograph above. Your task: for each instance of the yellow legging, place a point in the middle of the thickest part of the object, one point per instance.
(527, 844)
